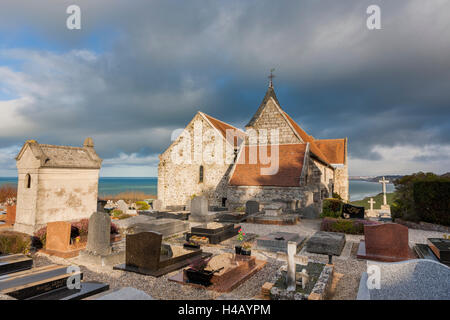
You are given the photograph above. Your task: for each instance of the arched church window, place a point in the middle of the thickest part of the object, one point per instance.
(201, 173)
(28, 181)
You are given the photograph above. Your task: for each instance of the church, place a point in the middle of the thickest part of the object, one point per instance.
(307, 170)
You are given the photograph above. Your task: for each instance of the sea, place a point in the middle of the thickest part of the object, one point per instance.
(111, 186)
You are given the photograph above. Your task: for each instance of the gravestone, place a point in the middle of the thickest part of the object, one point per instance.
(278, 241)
(143, 255)
(352, 212)
(200, 212)
(10, 215)
(215, 232)
(157, 205)
(101, 205)
(122, 206)
(416, 279)
(99, 234)
(385, 242)
(58, 236)
(251, 207)
(329, 243)
(199, 206)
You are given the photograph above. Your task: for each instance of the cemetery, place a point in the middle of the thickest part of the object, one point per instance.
(271, 251)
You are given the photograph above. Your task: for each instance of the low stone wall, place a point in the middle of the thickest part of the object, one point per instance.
(423, 226)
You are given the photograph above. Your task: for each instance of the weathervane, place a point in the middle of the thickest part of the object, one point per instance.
(271, 77)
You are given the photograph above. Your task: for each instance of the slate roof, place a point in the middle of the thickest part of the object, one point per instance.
(290, 167)
(52, 156)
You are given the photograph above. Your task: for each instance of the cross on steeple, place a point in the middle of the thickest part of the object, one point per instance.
(271, 76)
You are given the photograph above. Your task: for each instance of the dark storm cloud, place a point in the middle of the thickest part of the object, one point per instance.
(136, 72)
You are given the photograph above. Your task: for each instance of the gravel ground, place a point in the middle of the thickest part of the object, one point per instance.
(162, 288)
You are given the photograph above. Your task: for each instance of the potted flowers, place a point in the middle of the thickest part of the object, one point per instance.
(240, 237)
(246, 249)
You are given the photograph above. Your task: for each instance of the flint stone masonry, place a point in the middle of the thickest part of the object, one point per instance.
(417, 279)
(329, 243)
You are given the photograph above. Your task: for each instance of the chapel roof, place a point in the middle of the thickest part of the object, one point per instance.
(222, 127)
(333, 149)
(53, 156)
(290, 167)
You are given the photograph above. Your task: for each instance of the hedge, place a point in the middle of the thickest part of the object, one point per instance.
(353, 226)
(331, 208)
(432, 201)
(422, 197)
(14, 242)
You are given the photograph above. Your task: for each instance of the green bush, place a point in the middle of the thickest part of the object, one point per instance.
(422, 197)
(331, 208)
(432, 201)
(240, 209)
(14, 242)
(353, 226)
(142, 205)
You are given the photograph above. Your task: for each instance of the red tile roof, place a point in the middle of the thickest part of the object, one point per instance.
(223, 127)
(291, 158)
(333, 149)
(307, 138)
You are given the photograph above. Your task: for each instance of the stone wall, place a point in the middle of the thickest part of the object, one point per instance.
(271, 118)
(178, 182)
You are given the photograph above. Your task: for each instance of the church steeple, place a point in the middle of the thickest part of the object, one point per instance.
(270, 93)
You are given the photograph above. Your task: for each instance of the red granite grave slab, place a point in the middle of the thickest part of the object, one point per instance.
(386, 242)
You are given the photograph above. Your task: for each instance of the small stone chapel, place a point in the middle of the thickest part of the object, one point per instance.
(55, 183)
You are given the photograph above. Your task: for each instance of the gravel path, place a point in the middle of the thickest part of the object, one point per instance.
(162, 288)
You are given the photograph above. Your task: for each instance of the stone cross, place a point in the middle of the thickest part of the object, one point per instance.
(384, 182)
(371, 202)
(290, 279)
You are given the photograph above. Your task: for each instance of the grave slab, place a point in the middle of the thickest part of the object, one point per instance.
(14, 263)
(417, 279)
(277, 241)
(225, 272)
(143, 255)
(214, 231)
(88, 288)
(329, 243)
(29, 283)
(126, 293)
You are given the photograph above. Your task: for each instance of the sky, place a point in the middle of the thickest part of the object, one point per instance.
(136, 72)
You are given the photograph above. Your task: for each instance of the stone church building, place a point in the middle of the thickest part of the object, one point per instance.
(309, 169)
(55, 183)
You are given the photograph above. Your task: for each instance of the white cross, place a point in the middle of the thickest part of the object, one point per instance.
(371, 202)
(384, 182)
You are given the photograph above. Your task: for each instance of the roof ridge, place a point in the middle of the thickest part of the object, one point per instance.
(61, 147)
(223, 122)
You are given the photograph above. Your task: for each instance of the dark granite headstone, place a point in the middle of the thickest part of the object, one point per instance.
(87, 289)
(251, 207)
(143, 250)
(352, 212)
(278, 241)
(143, 255)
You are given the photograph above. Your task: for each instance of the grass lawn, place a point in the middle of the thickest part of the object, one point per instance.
(378, 201)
